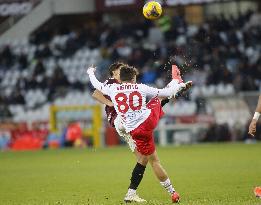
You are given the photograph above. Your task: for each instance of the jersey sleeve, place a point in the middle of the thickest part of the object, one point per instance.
(105, 89)
(106, 83)
(164, 92)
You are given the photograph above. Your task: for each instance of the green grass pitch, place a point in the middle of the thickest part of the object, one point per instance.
(202, 174)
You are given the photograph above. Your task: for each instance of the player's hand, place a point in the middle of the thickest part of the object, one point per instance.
(91, 69)
(252, 128)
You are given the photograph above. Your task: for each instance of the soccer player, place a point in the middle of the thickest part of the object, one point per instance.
(139, 120)
(111, 113)
(252, 131)
(114, 71)
(252, 126)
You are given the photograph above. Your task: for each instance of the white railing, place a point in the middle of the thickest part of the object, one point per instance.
(193, 129)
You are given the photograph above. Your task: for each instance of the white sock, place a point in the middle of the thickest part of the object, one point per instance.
(131, 192)
(173, 82)
(168, 186)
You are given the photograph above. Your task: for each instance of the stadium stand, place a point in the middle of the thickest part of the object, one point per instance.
(221, 56)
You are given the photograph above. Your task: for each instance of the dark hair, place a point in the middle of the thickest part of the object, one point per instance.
(128, 73)
(114, 66)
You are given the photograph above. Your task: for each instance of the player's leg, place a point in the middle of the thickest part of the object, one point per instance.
(160, 173)
(141, 159)
(176, 79)
(156, 114)
(145, 146)
(144, 141)
(162, 176)
(138, 170)
(136, 177)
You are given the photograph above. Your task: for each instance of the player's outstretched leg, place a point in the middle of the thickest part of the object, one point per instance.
(175, 74)
(161, 174)
(181, 91)
(176, 79)
(136, 177)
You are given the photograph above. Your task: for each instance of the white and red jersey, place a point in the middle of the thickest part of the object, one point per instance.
(130, 99)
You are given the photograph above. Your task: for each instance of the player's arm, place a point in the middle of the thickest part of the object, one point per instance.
(252, 126)
(164, 92)
(97, 95)
(96, 83)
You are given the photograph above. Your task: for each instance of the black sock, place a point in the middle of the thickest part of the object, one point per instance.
(137, 175)
(164, 102)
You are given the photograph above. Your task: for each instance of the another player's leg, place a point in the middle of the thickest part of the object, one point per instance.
(136, 177)
(162, 176)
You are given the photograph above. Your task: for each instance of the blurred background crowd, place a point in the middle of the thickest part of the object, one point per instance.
(221, 54)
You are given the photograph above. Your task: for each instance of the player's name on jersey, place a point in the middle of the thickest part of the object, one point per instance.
(127, 87)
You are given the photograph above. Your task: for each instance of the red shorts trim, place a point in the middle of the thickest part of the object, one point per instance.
(143, 134)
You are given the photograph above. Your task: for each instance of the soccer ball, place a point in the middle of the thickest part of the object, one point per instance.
(152, 10)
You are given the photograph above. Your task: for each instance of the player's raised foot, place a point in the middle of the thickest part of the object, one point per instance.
(183, 89)
(175, 197)
(134, 198)
(175, 72)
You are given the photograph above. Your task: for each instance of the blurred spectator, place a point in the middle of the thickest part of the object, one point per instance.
(6, 57)
(39, 68)
(59, 79)
(222, 50)
(4, 112)
(73, 134)
(22, 61)
(218, 133)
(57, 83)
(17, 98)
(43, 51)
(201, 104)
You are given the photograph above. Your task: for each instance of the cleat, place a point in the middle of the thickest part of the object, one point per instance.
(183, 89)
(178, 80)
(176, 74)
(133, 198)
(175, 197)
(257, 192)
